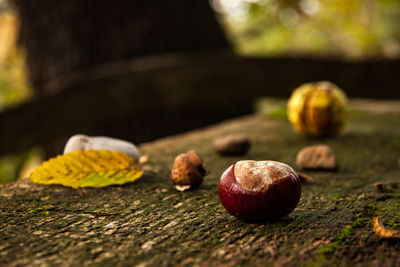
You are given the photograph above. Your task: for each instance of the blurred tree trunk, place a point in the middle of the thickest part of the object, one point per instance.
(63, 37)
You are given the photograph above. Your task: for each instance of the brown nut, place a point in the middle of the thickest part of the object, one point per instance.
(259, 190)
(304, 178)
(378, 186)
(237, 144)
(318, 157)
(385, 187)
(188, 171)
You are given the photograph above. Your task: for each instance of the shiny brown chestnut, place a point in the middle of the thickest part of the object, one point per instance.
(257, 191)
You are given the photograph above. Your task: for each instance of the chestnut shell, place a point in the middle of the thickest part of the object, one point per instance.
(188, 171)
(279, 199)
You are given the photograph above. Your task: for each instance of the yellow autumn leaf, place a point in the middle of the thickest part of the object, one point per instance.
(89, 168)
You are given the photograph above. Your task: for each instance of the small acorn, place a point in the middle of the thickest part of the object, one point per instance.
(188, 171)
(317, 109)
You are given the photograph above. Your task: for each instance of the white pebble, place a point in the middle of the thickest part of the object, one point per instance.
(84, 142)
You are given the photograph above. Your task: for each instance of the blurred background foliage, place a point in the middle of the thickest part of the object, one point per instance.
(19, 165)
(347, 29)
(14, 87)
(355, 29)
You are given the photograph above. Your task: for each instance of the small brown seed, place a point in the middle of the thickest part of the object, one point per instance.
(378, 186)
(318, 157)
(304, 178)
(237, 144)
(385, 187)
(188, 171)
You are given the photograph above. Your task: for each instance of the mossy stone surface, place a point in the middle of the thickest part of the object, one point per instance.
(149, 223)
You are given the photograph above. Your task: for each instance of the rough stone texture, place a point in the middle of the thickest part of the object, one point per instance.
(149, 223)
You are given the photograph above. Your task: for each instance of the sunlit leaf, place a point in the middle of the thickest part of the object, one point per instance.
(90, 168)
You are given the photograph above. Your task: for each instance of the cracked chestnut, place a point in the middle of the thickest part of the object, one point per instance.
(259, 190)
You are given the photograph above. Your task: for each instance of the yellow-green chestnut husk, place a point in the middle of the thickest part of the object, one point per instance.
(317, 109)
